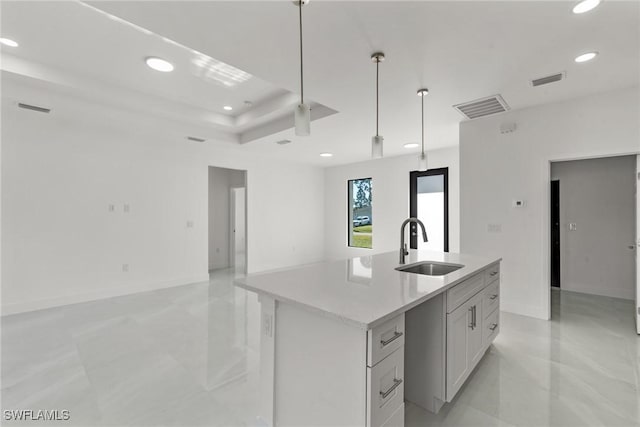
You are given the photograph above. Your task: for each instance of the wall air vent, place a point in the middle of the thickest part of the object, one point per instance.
(34, 108)
(547, 79)
(482, 107)
(195, 139)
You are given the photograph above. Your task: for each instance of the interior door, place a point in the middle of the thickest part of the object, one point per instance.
(238, 250)
(555, 233)
(429, 202)
(637, 244)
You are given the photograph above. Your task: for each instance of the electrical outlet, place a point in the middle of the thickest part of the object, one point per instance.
(189, 224)
(126, 208)
(494, 228)
(125, 268)
(572, 226)
(111, 208)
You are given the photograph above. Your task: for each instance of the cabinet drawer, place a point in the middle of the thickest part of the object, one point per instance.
(491, 298)
(463, 291)
(385, 339)
(385, 388)
(397, 419)
(492, 273)
(490, 327)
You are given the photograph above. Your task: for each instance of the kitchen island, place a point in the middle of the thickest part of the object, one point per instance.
(346, 342)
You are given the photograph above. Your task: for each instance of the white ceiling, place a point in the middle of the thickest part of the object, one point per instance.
(461, 51)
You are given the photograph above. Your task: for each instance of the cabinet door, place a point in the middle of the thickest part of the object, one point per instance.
(464, 343)
(475, 347)
(458, 329)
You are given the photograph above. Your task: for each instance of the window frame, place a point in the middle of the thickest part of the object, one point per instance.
(350, 212)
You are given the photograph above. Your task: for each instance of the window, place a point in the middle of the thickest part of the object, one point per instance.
(429, 202)
(360, 219)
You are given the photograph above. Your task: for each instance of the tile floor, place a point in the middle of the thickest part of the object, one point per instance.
(189, 356)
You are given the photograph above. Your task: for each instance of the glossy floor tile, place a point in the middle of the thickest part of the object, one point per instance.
(190, 356)
(579, 369)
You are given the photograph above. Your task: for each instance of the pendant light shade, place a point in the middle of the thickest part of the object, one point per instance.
(303, 120)
(302, 114)
(377, 140)
(376, 146)
(422, 159)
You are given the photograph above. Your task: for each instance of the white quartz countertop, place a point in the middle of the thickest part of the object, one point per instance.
(364, 291)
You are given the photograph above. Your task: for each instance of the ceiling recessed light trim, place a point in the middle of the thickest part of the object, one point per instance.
(326, 154)
(585, 57)
(586, 6)
(159, 64)
(8, 42)
(228, 107)
(411, 145)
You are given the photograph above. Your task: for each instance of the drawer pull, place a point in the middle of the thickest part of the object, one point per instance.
(494, 296)
(396, 383)
(395, 336)
(493, 273)
(493, 326)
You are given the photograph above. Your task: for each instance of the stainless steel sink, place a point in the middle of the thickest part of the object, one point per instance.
(430, 268)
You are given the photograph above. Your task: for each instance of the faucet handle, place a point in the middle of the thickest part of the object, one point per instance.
(406, 251)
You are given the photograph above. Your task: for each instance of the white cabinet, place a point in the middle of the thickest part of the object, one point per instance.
(464, 343)
(472, 325)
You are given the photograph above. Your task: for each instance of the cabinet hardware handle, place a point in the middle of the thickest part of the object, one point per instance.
(471, 321)
(493, 273)
(474, 317)
(494, 296)
(395, 336)
(493, 326)
(396, 383)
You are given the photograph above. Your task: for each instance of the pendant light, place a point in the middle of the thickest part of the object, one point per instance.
(302, 115)
(377, 140)
(422, 160)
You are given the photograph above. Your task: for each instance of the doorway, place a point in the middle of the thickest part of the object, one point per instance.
(429, 202)
(227, 235)
(555, 233)
(596, 225)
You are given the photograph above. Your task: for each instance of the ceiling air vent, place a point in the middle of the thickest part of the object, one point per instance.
(283, 142)
(482, 107)
(34, 108)
(195, 139)
(547, 79)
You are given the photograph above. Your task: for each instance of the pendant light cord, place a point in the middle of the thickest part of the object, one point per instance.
(301, 66)
(422, 124)
(377, 97)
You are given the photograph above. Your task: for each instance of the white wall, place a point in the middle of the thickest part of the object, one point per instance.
(598, 195)
(221, 181)
(61, 244)
(390, 201)
(496, 168)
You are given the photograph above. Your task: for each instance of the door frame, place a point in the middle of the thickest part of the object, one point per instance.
(413, 203)
(553, 228)
(546, 223)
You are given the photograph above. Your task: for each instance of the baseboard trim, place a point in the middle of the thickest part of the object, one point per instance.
(27, 306)
(524, 310)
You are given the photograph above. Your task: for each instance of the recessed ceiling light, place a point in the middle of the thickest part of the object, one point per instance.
(326, 155)
(8, 42)
(228, 107)
(586, 57)
(585, 6)
(159, 64)
(411, 145)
